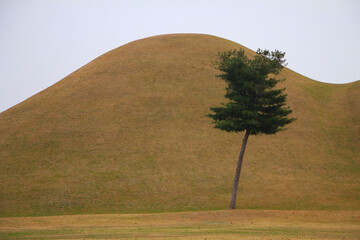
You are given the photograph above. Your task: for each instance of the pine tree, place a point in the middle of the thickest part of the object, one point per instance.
(255, 105)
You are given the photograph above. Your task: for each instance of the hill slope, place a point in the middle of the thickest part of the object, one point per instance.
(128, 133)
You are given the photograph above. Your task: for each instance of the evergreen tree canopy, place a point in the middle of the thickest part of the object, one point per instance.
(255, 105)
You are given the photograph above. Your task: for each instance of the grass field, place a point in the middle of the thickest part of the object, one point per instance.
(244, 224)
(128, 133)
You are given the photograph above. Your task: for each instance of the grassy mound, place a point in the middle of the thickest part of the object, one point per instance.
(128, 133)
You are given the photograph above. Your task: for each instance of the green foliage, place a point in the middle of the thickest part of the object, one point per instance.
(255, 104)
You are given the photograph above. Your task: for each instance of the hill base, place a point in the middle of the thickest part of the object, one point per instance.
(247, 224)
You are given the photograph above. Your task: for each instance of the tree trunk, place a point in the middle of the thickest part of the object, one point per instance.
(238, 171)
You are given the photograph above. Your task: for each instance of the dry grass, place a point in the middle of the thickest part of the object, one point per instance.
(128, 133)
(244, 224)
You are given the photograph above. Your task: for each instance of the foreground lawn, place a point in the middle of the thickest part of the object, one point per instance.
(244, 224)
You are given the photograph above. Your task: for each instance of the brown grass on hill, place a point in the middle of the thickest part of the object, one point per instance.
(128, 132)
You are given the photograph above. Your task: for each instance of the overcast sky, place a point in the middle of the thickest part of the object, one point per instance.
(42, 41)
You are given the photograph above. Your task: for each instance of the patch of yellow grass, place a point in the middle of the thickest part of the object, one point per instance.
(244, 224)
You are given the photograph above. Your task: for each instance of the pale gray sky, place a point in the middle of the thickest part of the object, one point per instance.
(42, 41)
